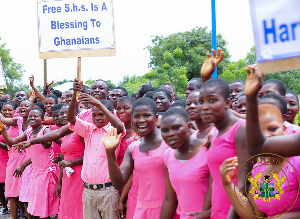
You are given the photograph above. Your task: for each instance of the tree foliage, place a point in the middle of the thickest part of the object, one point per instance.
(13, 71)
(133, 83)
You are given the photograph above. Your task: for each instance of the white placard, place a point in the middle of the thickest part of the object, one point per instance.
(72, 25)
(2, 76)
(276, 27)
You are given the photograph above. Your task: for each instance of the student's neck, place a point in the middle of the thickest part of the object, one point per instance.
(202, 127)
(36, 129)
(128, 125)
(153, 136)
(227, 121)
(185, 148)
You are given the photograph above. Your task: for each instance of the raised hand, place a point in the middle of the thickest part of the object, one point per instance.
(47, 85)
(31, 80)
(111, 139)
(87, 99)
(254, 81)
(211, 63)
(77, 85)
(2, 126)
(227, 169)
(31, 96)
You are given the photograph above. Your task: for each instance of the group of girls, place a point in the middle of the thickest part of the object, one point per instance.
(185, 166)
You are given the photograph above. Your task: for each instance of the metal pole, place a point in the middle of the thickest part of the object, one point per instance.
(213, 32)
(45, 71)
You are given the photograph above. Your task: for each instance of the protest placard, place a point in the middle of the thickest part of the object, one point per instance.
(276, 26)
(2, 76)
(75, 28)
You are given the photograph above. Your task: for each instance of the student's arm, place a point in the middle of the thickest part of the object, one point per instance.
(47, 85)
(115, 122)
(48, 121)
(119, 176)
(9, 140)
(123, 199)
(47, 144)
(72, 110)
(18, 172)
(3, 146)
(9, 121)
(59, 184)
(170, 203)
(37, 92)
(66, 163)
(210, 64)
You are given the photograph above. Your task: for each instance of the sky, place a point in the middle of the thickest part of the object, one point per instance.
(136, 22)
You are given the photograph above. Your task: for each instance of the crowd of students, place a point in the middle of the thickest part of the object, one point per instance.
(95, 153)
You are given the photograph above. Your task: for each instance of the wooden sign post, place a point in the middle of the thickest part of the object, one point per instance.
(276, 26)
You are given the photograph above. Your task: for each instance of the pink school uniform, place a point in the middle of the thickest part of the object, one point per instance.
(3, 161)
(132, 195)
(86, 115)
(14, 160)
(189, 179)
(43, 183)
(152, 179)
(222, 148)
(71, 192)
(289, 202)
(56, 147)
(213, 132)
(123, 147)
(291, 128)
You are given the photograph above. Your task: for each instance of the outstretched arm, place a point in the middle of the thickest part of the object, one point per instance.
(37, 92)
(9, 121)
(72, 110)
(3, 146)
(9, 140)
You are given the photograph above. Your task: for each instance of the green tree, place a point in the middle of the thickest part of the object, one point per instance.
(13, 71)
(194, 45)
(133, 83)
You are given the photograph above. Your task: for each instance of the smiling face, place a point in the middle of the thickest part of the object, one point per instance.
(143, 120)
(20, 96)
(25, 108)
(192, 106)
(174, 131)
(34, 118)
(49, 104)
(99, 90)
(292, 107)
(124, 111)
(8, 111)
(69, 95)
(63, 112)
(162, 101)
(212, 104)
(99, 119)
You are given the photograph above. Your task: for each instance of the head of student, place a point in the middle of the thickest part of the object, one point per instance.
(193, 84)
(8, 109)
(272, 86)
(25, 107)
(235, 88)
(162, 99)
(69, 95)
(175, 127)
(241, 104)
(179, 104)
(49, 102)
(292, 105)
(275, 100)
(124, 108)
(8, 96)
(116, 94)
(214, 100)
(35, 117)
(144, 116)
(63, 112)
(169, 87)
(56, 113)
(99, 118)
(192, 105)
(20, 96)
(271, 120)
(99, 89)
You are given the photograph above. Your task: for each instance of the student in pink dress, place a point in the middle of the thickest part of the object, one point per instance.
(287, 204)
(20, 96)
(187, 173)
(214, 107)
(292, 106)
(43, 202)
(100, 198)
(145, 156)
(72, 147)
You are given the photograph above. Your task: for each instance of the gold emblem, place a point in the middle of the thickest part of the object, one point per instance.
(94, 186)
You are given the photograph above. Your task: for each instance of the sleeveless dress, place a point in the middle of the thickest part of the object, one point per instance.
(3, 161)
(152, 179)
(71, 206)
(14, 160)
(123, 147)
(56, 147)
(43, 183)
(189, 179)
(222, 148)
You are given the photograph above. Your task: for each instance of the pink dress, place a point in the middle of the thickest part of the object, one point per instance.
(289, 202)
(123, 147)
(291, 128)
(152, 179)
(43, 201)
(14, 160)
(3, 162)
(222, 148)
(189, 179)
(56, 147)
(71, 206)
(213, 132)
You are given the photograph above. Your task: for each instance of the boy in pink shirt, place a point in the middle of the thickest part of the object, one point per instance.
(100, 198)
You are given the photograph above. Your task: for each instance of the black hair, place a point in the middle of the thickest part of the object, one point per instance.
(10, 94)
(57, 93)
(144, 89)
(52, 96)
(176, 112)
(108, 104)
(279, 84)
(149, 94)
(85, 89)
(237, 81)
(166, 92)
(177, 98)
(282, 102)
(126, 99)
(40, 105)
(102, 81)
(134, 95)
(58, 106)
(179, 103)
(194, 91)
(198, 81)
(293, 93)
(27, 100)
(217, 82)
(167, 84)
(45, 91)
(14, 105)
(125, 92)
(160, 113)
(145, 101)
(41, 111)
(24, 91)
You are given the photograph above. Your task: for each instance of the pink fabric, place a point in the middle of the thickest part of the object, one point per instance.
(213, 132)
(123, 147)
(71, 206)
(3, 161)
(14, 160)
(290, 188)
(291, 128)
(43, 201)
(56, 147)
(86, 115)
(222, 148)
(152, 177)
(189, 179)
(17, 114)
(95, 167)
